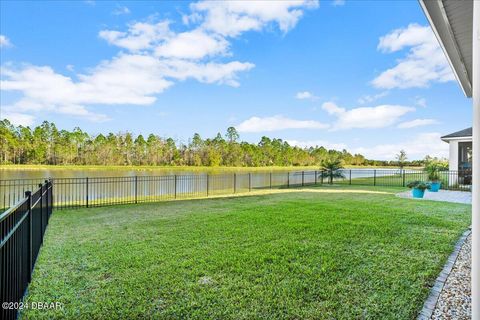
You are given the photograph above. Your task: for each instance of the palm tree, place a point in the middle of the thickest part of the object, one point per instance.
(401, 158)
(332, 168)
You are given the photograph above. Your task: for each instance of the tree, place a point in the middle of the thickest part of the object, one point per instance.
(232, 135)
(401, 158)
(332, 168)
(45, 144)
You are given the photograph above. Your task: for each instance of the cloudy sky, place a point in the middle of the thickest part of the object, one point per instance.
(366, 76)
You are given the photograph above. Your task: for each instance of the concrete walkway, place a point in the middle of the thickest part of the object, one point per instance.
(442, 195)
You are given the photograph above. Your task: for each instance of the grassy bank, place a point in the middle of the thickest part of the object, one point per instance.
(327, 252)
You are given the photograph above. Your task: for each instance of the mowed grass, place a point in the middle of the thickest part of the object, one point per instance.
(393, 180)
(318, 253)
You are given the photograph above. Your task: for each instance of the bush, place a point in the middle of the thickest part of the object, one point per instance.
(433, 169)
(418, 185)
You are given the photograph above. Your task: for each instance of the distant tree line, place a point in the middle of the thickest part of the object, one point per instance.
(45, 144)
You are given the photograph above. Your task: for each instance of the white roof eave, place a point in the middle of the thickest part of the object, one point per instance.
(436, 15)
(459, 139)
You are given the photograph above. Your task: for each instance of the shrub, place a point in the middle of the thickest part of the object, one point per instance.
(433, 169)
(418, 185)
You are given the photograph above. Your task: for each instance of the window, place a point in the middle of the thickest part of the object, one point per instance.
(464, 155)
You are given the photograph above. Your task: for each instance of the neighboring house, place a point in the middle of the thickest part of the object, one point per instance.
(460, 154)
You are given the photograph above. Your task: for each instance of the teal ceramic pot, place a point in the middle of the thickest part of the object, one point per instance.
(418, 193)
(435, 186)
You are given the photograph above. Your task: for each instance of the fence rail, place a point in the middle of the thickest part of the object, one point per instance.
(22, 228)
(102, 191)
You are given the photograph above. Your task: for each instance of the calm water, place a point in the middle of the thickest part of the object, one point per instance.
(105, 186)
(8, 173)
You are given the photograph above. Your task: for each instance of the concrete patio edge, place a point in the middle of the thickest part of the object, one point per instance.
(431, 302)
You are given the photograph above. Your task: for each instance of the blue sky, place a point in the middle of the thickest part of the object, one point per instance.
(366, 76)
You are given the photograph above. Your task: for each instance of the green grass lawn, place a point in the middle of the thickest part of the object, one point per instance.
(323, 253)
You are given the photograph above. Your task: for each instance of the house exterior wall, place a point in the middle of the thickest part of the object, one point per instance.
(453, 155)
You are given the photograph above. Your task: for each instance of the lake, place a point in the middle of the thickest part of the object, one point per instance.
(75, 187)
(8, 172)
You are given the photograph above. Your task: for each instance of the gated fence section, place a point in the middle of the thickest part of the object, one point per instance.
(101, 191)
(22, 228)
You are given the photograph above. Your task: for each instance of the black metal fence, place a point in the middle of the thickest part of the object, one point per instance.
(102, 191)
(22, 228)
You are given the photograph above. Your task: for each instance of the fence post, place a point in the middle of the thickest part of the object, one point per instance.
(288, 179)
(207, 184)
(403, 178)
(374, 177)
(47, 200)
(28, 195)
(41, 211)
(270, 180)
(249, 182)
(321, 177)
(136, 190)
(303, 178)
(52, 199)
(86, 191)
(175, 186)
(315, 177)
(350, 176)
(234, 183)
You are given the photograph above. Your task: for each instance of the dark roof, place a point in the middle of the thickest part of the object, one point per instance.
(462, 133)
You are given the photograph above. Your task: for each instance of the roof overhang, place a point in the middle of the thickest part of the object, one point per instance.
(460, 139)
(452, 23)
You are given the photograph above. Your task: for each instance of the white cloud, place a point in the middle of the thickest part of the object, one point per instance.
(127, 79)
(424, 64)
(319, 143)
(371, 98)
(155, 59)
(4, 41)
(421, 102)
(121, 10)
(401, 38)
(306, 95)
(365, 117)
(222, 73)
(417, 147)
(276, 123)
(194, 44)
(337, 3)
(18, 119)
(231, 18)
(417, 123)
(140, 35)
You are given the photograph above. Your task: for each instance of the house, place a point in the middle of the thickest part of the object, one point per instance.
(460, 150)
(456, 25)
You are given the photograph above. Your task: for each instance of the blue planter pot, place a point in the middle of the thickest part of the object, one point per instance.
(418, 193)
(435, 186)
